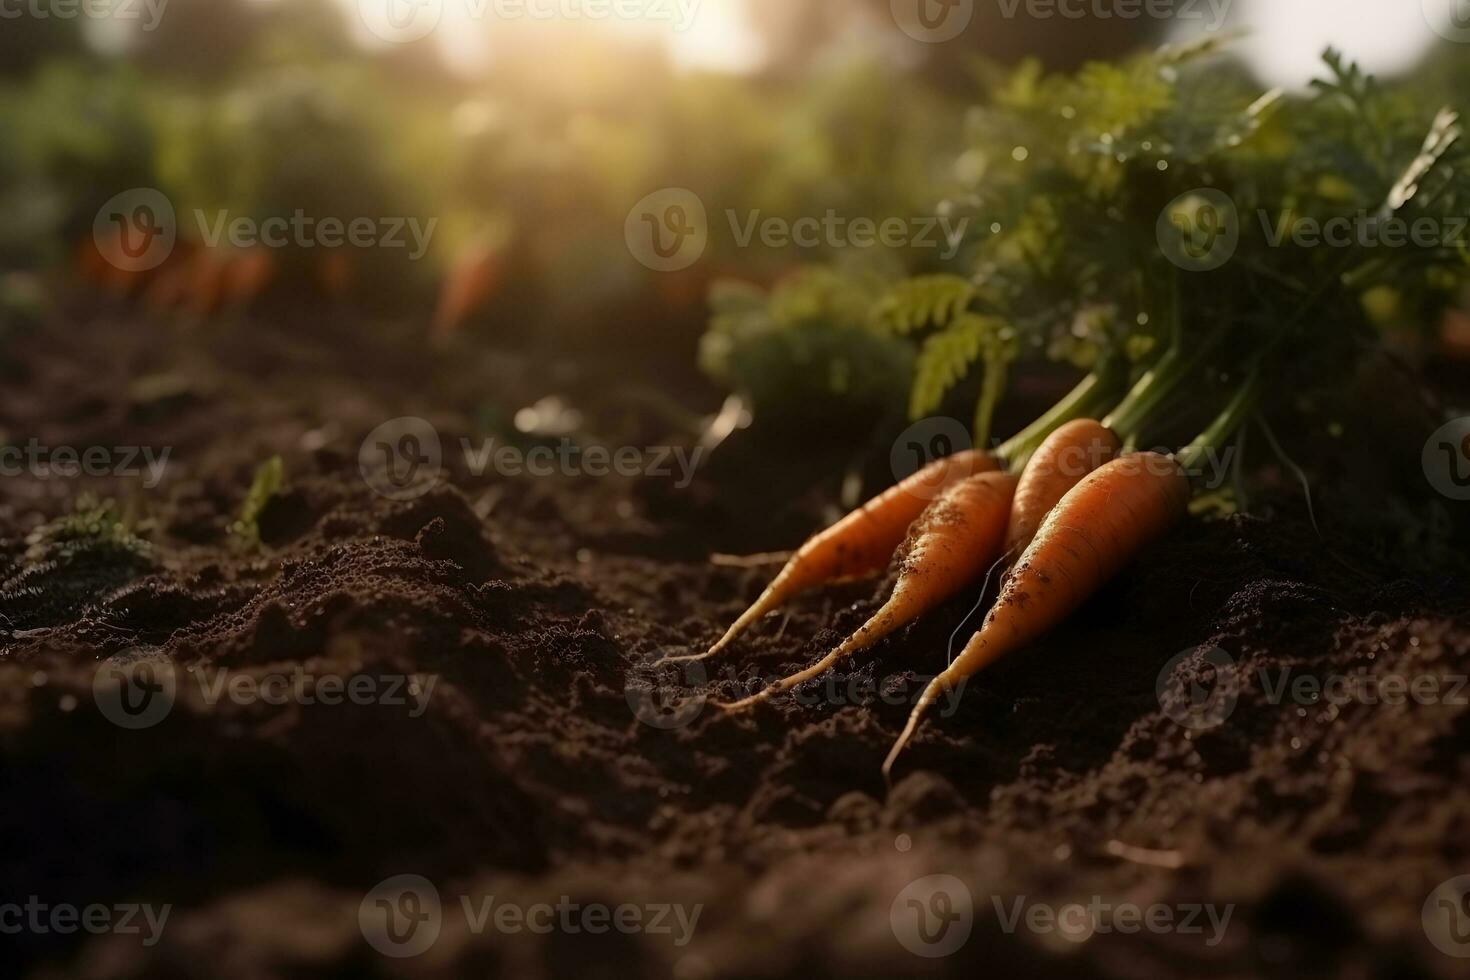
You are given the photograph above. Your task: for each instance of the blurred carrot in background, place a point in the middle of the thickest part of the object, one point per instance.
(468, 285)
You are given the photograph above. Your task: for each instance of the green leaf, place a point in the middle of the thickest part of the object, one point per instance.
(946, 358)
(733, 296)
(924, 301)
(269, 478)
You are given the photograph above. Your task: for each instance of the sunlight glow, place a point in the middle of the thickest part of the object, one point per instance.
(1288, 36)
(698, 34)
(717, 37)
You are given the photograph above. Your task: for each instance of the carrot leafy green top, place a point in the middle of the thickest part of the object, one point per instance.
(1166, 203)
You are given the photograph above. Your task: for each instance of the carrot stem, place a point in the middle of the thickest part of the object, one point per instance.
(991, 389)
(1234, 415)
(1156, 385)
(1093, 392)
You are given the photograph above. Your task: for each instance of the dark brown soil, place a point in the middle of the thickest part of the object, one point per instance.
(535, 606)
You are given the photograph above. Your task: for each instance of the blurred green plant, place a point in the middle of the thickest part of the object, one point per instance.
(92, 527)
(269, 478)
(808, 348)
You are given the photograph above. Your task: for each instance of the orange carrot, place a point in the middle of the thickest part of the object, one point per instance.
(206, 281)
(470, 282)
(90, 262)
(1067, 455)
(1096, 529)
(334, 273)
(170, 286)
(863, 542)
(118, 276)
(955, 539)
(247, 275)
(167, 290)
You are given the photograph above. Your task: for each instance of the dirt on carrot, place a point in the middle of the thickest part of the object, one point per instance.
(1321, 825)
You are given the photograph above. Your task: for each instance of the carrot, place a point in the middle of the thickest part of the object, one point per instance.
(470, 283)
(117, 276)
(1096, 529)
(206, 281)
(863, 542)
(1067, 455)
(90, 262)
(167, 289)
(952, 542)
(247, 275)
(334, 274)
(170, 285)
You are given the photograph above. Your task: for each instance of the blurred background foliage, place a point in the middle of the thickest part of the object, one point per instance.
(526, 144)
(265, 108)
